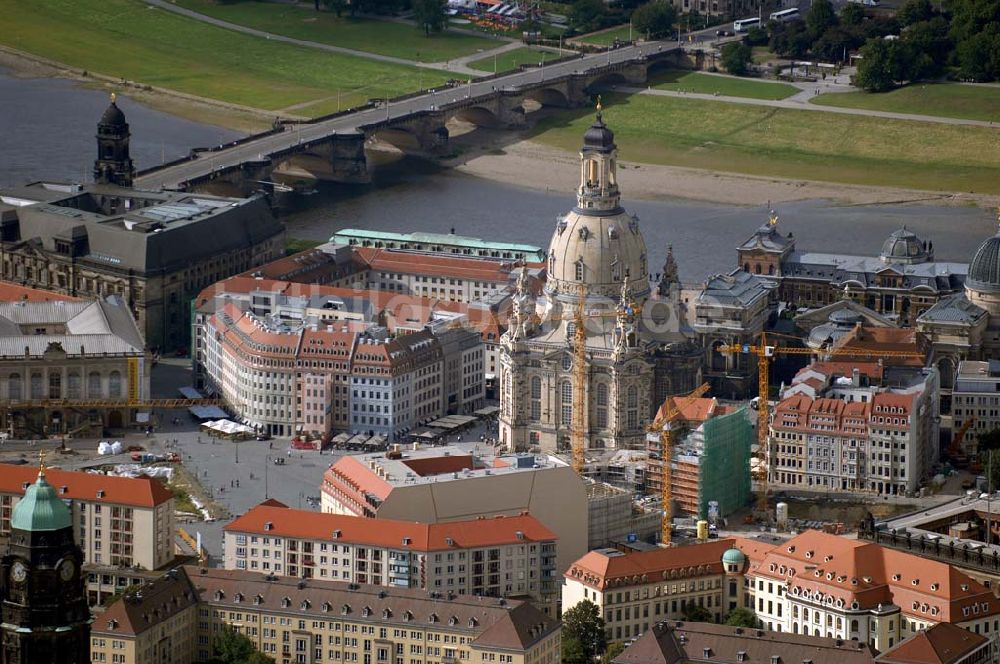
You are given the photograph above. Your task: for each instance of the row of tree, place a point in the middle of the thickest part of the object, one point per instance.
(922, 41)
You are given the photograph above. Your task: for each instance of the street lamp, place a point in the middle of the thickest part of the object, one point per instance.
(267, 465)
(236, 446)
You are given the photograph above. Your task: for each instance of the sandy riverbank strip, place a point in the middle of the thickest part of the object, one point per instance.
(538, 166)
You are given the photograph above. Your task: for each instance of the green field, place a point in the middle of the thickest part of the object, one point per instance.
(512, 59)
(383, 37)
(691, 81)
(791, 144)
(608, 36)
(128, 39)
(949, 100)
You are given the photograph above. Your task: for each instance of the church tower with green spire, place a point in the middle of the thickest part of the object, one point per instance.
(44, 615)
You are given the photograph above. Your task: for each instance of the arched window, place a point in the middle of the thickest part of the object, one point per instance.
(579, 270)
(55, 385)
(757, 268)
(770, 269)
(854, 625)
(93, 385)
(73, 385)
(37, 387)
(115, 384)
(536, 398)
(947, 370)
(602, 405)
(14, 391)
(746, 268)
(592, 172)
(632, 401)
(566, 403)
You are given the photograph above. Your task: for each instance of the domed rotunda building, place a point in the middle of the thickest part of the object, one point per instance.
(633, 355)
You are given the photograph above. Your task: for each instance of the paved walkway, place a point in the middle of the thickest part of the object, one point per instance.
(802, 104)
(457, 65)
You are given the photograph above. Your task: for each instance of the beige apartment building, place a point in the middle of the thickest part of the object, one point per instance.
(319, 622)
(447, 484)
(496, 557)
(118, 521)
(634, 591)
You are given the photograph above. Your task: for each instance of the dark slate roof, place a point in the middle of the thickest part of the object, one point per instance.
(489, 622)
(598, 136)
(840, 269)
(738, 288)
(905, 245)
(984, 271)
(953, 309)
(678, 642)
(148, 606)
(162, 231)
(768, 238)
(113, 116)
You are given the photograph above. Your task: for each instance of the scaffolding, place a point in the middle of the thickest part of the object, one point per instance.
(724, 464)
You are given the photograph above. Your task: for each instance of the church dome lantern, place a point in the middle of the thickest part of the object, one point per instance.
(597, 246)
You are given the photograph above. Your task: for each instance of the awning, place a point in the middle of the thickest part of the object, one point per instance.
(208, 412)
(190, 393)
(142, 418)
(486, 412)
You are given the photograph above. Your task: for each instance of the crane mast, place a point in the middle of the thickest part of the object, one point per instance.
(578, 440)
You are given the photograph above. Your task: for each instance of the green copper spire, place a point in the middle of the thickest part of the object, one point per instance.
(41, 508)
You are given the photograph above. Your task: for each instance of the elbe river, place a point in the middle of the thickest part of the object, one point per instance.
(47, 129)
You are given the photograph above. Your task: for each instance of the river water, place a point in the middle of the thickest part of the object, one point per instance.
(47, 131)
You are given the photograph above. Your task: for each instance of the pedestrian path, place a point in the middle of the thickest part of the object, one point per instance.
(802, 104)
(457, 65)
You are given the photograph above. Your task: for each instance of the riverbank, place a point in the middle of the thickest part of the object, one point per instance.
(545, 168)
(206, 111)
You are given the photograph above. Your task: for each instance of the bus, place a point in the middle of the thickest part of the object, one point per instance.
(785, 15)
(744, 24)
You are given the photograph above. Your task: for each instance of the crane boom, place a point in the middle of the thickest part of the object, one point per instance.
(663, 425)
(764, 353)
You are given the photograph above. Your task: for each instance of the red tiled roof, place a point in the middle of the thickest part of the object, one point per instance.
(11, 292)
(137, 492)
(471, 533)
(943, 643)
(476, 269)
(598, 570)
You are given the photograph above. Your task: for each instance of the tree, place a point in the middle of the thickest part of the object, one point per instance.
(584, 623)
(654, 19)
(572, 651)
(979, 56)
(735, 58)
(914, 11)
(695, 613)
(429, 15)
(790, 40)
(586, 15)
(756, 36)
(992, 469)
(336, 6)
(742, 617)
(615, 648)
(231, 647)
(835, 43)
(881, 65)
(852, 14)
(820, 17)
(989, 441)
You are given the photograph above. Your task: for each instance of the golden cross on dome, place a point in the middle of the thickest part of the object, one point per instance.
(600, 106)
(773, 219)
(114, 97)
(41, 462)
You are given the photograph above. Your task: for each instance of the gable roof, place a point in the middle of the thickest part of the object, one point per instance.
(75, 485)
(944, 643)
(604, 568)
(158, 600)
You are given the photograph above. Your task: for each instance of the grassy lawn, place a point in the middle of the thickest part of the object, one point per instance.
(789, 143)
(949, 100)
(605, 38)
(691, 81)
(512, 59)
(125, 38)
(382, 37)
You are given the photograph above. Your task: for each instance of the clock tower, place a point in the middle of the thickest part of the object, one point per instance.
(44, 615)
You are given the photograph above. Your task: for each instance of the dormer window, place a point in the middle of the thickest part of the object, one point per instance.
(584, 233)
(579, 268)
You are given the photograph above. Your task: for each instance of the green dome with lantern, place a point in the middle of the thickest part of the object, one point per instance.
(41, 509)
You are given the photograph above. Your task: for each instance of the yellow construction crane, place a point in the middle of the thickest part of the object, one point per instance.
(111, 403)
(664, 426)
(764, 353)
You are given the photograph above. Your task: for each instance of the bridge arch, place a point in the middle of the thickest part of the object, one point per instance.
(606, 81)
(548, 97)
(477, 115)
(397, 137)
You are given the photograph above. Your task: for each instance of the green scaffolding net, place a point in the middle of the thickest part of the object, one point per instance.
(724, 466)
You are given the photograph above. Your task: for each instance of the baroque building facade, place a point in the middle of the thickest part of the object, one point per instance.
(635, 355)
(156, 250)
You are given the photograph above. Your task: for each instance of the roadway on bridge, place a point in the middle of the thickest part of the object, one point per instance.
(172, 177)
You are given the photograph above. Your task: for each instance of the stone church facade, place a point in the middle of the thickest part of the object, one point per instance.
(635, 354)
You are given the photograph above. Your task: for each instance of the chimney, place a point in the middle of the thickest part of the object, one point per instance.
(855, 377)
